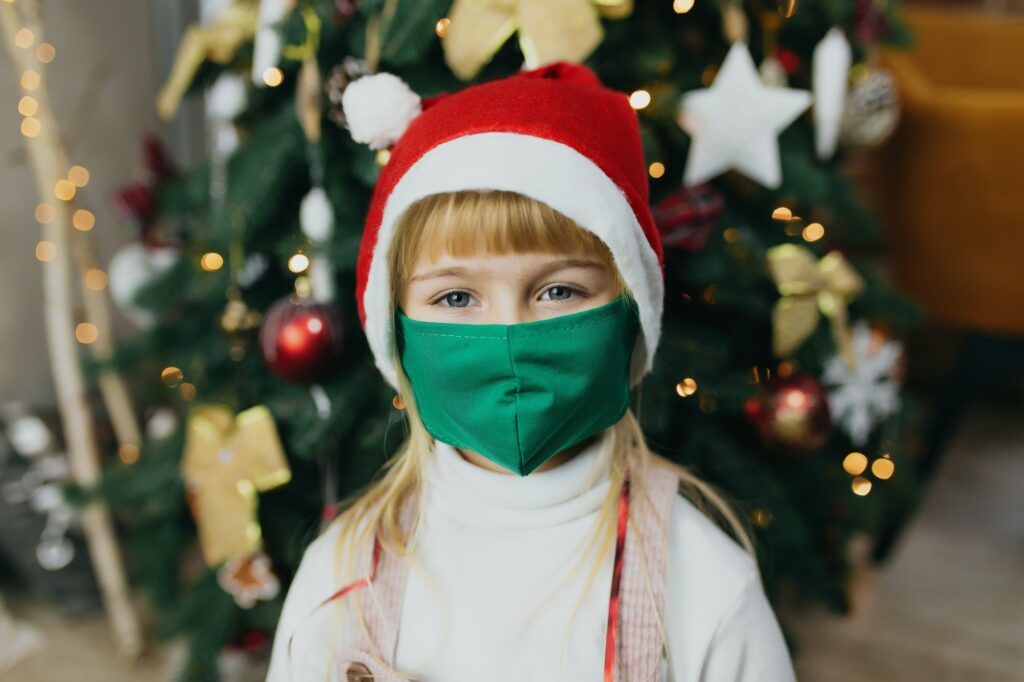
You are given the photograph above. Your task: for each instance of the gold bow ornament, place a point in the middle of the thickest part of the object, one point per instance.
(217, 41)
(228, 458)
(549, 30)
(810, 288)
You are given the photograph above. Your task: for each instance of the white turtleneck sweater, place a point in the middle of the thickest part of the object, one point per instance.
(487, 601)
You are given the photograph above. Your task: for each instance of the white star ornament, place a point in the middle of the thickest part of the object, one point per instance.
(736, 122)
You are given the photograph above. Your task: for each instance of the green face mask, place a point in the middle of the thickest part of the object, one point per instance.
(520, 393)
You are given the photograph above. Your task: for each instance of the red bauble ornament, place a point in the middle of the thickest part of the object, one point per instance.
(301, 340)
(792, 414)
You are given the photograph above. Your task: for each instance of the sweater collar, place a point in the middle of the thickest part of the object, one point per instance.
(480, 497)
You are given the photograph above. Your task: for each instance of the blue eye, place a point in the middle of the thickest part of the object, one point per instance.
(560, 293)
(456, 299)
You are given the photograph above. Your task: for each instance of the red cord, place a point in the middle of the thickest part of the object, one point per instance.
(362, 582)
(359, 584)
(613, 601)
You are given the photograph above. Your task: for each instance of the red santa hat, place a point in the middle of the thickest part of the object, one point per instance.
(554, 134)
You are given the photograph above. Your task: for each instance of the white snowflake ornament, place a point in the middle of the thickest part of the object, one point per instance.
(861, 396)
(378, 109)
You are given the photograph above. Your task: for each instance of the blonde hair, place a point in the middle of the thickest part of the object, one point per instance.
(465, 223)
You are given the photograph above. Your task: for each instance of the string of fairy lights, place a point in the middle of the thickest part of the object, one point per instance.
(65, 189)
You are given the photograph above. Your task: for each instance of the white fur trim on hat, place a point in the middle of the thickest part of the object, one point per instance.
(542, 169)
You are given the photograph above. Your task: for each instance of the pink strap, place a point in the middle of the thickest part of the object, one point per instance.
(385, 576)
(643, 598)
(382, 602)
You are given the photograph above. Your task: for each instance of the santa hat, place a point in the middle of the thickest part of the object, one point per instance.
(554, 134)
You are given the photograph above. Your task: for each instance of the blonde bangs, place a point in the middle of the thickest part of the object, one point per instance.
(492, 222)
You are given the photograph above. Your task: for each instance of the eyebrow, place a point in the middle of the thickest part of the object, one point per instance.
(558, 265)
(443, 272)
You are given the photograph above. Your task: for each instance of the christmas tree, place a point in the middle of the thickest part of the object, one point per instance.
(778, 374)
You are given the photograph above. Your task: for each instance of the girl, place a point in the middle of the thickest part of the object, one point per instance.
(510, 285)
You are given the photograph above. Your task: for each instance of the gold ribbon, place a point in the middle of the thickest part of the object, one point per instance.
(307, 49)
(228, 459)
(811, 288)
(218, 42)
(307, 88)
(549, 30)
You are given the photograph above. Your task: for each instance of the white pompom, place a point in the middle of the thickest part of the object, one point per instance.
(315, 215)
(379, 108)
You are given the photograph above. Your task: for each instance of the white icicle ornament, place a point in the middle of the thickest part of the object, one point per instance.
(315, 215)
(378, 108)
(829, 73)
(227, 97)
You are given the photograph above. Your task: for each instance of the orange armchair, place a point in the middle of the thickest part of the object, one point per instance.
(953, 173)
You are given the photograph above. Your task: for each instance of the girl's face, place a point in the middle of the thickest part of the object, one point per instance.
(505, 289)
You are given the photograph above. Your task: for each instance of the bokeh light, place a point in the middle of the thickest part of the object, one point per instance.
(211, 261)
(46, 251)
(686, 387)
(855, 463)
(31, 127)
(95, 279)
(86, 332)
(299, 262)
(46, 53)
(83, 220)
(639, 99)
(273, 77)
(79, 176)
